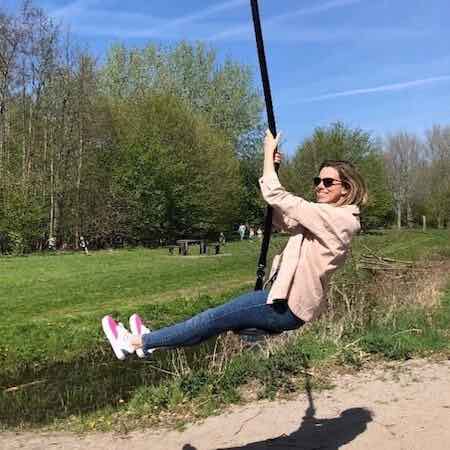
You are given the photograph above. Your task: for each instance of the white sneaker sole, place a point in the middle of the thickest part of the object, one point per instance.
(112, 338)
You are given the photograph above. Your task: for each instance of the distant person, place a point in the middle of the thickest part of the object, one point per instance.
(242, 229)
(259, 233)
(251, 233)
(222, 239)
(321, 233)
(83, 245)
(52, 243)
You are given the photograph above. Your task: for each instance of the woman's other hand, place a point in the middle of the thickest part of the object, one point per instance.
(277, 158)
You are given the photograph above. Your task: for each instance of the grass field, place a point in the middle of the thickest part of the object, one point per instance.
(53, 352)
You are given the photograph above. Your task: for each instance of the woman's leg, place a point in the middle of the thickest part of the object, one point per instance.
(247, 311)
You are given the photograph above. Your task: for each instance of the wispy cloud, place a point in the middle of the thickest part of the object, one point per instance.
(142, 25)
(327, 6)
(245, 30)
(74, 8)
(194, 17)
(231, 4)
(382, 88)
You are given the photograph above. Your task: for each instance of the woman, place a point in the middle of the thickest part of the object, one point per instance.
(320, 239)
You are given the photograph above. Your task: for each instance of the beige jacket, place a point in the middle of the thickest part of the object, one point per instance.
(319, 242)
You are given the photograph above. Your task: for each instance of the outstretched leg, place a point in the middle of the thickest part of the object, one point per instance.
(246, 311)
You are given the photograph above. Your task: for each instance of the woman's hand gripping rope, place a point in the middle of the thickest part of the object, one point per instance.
(271, 154)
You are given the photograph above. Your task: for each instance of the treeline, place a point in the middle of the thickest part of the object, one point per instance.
(160, 142)
(145, 146)
(408, 176)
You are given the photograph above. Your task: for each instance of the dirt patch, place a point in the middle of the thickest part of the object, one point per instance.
(393, 406)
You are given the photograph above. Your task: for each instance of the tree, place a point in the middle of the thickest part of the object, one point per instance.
(438, 153)
(179, 175)
(402, 162)
(224, 94)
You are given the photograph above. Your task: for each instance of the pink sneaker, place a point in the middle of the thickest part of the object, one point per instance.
(138, 328)
(118, 336)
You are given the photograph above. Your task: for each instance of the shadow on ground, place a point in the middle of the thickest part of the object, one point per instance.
(314, 433)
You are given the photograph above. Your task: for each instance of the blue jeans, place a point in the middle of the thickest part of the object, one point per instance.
(246, 311)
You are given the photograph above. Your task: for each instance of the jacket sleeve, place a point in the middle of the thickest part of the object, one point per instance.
(325, 221)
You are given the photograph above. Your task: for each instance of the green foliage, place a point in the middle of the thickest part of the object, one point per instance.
(224, 94)
(179, 175)
(380, 203)
(22, 223)
(252, 205)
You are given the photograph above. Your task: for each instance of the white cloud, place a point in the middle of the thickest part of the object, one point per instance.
(97, 22)
(74, 8)
(245, 30)
(382, 88)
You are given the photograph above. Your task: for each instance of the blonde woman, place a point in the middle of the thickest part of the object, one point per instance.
(321, 233)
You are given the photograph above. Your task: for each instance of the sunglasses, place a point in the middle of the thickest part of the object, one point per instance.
(327, 182)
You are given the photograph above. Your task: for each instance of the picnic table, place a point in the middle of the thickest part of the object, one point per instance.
(183, 246)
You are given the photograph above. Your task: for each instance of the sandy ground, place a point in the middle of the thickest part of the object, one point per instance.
(404, 407)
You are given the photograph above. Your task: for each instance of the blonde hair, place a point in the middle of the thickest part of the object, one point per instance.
(351, 179)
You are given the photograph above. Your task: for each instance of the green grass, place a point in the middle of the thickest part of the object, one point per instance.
(411, 332)
(54, 302)
(51, 336)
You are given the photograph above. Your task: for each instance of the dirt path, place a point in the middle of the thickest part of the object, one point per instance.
(403, 407)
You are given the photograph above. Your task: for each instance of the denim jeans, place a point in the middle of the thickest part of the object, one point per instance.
(246, 311)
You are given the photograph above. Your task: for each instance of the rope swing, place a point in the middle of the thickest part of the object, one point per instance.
(262, 262)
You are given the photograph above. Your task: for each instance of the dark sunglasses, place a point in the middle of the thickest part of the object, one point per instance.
(327, 182)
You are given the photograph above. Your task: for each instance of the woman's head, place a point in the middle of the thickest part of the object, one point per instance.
(339, 183)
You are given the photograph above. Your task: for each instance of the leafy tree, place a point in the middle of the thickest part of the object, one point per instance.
(224, 94)
(179, 175)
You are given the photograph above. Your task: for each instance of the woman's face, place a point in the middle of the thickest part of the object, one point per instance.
(333, 193)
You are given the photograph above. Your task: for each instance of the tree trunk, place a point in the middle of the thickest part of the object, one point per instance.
(51, 230)
(399, 215)
(409, 216)
(30, 140)
(78, 184)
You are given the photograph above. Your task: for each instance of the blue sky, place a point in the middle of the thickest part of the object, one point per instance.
(382, 65)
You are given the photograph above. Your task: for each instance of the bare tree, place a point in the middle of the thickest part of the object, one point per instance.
(438, 153)
(402, 158)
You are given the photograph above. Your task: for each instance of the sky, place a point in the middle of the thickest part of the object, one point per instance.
(380, 65)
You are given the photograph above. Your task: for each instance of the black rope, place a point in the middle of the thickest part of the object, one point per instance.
(262, 262)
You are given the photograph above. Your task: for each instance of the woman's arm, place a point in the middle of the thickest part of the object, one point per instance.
(325, 221)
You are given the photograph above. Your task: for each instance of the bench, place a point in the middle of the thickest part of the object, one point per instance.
(181, 249)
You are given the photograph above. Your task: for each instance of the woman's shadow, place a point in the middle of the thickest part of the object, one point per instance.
(314, 433)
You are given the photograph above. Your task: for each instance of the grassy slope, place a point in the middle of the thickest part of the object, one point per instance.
(53, 305)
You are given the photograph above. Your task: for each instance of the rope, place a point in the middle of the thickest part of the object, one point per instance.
(262, 262)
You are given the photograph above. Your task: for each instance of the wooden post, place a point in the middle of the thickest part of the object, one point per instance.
(424, 223)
